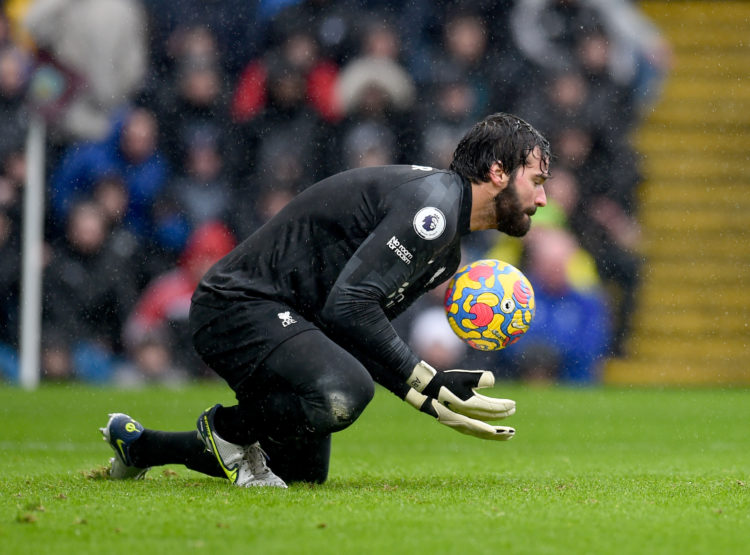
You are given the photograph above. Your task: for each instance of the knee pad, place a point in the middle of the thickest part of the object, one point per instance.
(340, 400)
(317, 386)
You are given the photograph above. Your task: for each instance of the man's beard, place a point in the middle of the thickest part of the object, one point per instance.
(511, 218)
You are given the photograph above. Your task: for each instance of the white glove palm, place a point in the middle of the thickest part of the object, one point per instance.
(458, 422)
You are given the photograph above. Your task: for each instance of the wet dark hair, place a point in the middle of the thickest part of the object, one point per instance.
(499, 137)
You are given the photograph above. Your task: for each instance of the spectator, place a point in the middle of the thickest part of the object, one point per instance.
(180, 27)
(159, 317)
(569, 336)
(375, 94)
(567, 99)
(613, 237)
(422, 27)
(271, 202)
(587, 133)
(610, 239)
(193, 94)
(588, 121)
(464, 48)
(562, 205)
(432, 338)
(380, 39)
(368, 144)
(57, 363)
(450, 112)
(88, 291)
(281, 145)
(14, 69)
(548, 31)
(103, 42)
(130, 151)
(372, 84)
(111, 194)
(150, 363)
(592, 53)
(257, 209)
(197, 102)
(200, 192)
(333, 23)
(302, 52)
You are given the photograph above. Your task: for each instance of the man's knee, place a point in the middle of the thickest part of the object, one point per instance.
(340, 399)
(345, 406)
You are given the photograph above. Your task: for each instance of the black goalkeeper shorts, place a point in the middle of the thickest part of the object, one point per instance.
(234, 340)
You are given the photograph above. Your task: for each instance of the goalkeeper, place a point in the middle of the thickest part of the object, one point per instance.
(296, 319)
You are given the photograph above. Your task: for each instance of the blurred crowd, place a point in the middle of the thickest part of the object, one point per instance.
(177, 127)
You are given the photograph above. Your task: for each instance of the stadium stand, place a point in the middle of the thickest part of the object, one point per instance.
(290, 129)
(692, 323)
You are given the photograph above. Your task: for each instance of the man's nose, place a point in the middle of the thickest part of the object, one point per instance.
(541, 197)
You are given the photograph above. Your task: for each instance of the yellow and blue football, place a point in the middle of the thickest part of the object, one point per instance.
(489, 304)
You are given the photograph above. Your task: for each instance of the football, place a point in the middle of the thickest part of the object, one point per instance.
(489, 304)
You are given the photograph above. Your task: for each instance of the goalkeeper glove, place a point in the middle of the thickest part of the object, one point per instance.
(458, 422)
(455, 390)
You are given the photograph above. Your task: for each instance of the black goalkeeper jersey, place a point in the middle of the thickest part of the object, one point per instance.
(352, 252)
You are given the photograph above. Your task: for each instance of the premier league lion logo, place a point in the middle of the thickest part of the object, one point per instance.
(429, 223)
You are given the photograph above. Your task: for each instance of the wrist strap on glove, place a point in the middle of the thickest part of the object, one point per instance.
(454, 389)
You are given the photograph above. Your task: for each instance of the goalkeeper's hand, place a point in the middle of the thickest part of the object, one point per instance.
(454, 389)
(458, 422)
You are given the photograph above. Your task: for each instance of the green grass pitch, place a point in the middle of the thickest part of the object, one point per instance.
(595, 470)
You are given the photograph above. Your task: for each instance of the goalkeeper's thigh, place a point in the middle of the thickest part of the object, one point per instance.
(308, 386)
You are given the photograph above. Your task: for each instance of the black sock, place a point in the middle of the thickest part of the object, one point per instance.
(155, 448)
(233, 425)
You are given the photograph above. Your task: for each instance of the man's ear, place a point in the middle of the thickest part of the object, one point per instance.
(498, 176)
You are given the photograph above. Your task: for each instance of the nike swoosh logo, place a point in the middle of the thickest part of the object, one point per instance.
(230, 472)
(120, 443)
